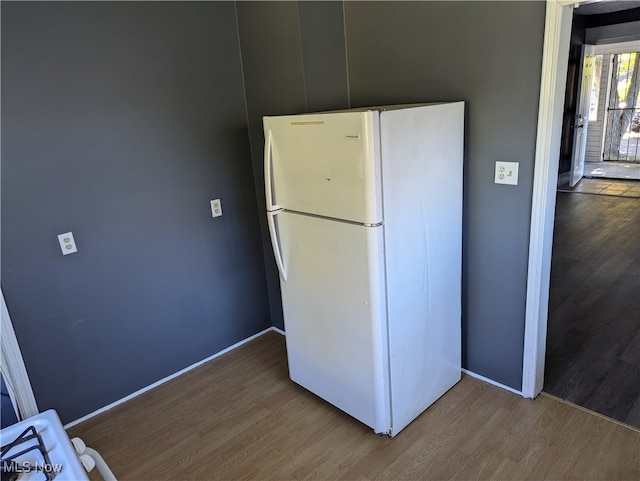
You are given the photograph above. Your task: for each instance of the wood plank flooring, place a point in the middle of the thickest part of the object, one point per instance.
(240, 417)
(620, 188)
(593, 337)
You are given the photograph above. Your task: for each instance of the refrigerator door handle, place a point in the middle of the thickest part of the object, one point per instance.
(268, 171)
(276, 244)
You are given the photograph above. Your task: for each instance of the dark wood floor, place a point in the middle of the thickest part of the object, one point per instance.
(593, 340)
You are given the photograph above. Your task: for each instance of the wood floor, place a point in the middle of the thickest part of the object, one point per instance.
(619, 188)
(240, 417)
(593, 337)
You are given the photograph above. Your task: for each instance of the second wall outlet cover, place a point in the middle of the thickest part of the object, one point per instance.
(216, 208)
(67, 243)
(506, 173)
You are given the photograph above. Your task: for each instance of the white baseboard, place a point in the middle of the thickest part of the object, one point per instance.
(278, 330)
(492, 382)
(224, 351)
(168, 378)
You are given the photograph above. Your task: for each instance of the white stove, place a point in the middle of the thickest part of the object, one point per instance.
(39, 449)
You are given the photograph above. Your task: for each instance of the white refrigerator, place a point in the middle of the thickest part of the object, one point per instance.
(364, 209)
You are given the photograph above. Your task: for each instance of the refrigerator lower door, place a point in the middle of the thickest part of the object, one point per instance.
(334, 309)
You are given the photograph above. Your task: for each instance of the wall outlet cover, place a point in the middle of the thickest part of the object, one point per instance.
(216, 208)
(67, 243)
(506, 173)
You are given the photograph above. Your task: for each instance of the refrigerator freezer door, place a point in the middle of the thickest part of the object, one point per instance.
(324, 164)
(334, 307)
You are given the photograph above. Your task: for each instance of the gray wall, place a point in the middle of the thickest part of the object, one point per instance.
(120, 121)
(293, 56)
(488, 54)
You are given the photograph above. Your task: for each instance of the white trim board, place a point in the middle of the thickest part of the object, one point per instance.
(168, 378)
(555, 56)
(621, 47)
(13, 368)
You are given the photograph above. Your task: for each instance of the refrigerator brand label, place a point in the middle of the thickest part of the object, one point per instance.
(309, 122)
(352, 136)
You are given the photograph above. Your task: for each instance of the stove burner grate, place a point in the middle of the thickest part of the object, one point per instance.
(10, 468)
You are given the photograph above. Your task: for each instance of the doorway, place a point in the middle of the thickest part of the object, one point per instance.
(622, 127)
(557, 39)
(593, 337)
(612, 144)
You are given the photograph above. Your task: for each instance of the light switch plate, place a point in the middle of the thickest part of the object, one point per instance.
(506, 173)
(67, 243)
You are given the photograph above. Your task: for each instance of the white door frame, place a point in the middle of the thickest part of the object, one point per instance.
(13, 367)
(557, 33)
